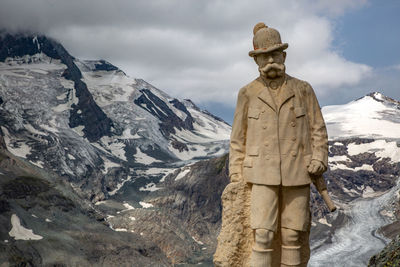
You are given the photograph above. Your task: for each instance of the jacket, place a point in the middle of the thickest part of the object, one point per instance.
(273, 144)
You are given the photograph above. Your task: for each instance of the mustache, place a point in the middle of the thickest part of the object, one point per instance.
(279, 67)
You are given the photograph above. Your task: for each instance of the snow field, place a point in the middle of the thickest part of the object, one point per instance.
(21, 233)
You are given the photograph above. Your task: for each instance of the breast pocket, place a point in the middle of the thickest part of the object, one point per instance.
(299, 112)
(254, 113)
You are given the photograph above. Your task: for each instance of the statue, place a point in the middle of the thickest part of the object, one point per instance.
(278, 146)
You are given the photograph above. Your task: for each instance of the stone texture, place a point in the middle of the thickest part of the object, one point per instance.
(236, 236)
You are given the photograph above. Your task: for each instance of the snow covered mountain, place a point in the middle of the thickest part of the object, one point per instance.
(372, 116)
(363, 179)
(90, 122)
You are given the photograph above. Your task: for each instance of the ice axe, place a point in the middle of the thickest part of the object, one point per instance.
(320, 184)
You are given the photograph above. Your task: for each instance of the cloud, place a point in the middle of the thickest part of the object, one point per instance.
(194, 49)
(312, 57)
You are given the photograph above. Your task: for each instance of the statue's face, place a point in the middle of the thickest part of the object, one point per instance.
(271, 64)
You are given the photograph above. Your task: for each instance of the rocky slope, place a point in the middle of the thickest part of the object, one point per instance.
(96, 125)
(389, 256)
(183, 216)
(45, 223)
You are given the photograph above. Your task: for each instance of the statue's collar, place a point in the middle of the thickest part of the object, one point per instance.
(273, 83)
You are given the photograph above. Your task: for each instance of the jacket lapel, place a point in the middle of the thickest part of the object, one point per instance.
(265, 96)
(285, 94)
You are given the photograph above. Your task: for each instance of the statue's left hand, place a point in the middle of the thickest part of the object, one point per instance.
(316, 167)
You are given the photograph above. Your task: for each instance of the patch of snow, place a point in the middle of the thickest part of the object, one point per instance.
(127, 206)
(209, 127)
(51, 126)
(194, 151)
(38, 163)
(16, 147)
(350, 192)
(381, 148)
(120, 230)
(144, 158)
(21, 233)
(338, 144)
(113, 146)
(182, 174)
(108, 164)
(146, 205)
(197, 241)
(339, 158)
(132, 218)
(324, 221)
(149, 187)
(127, 135)
(34, 216)
(70, 156)
(369, 192)
(48, 220)
(63, 96)
(111, 193)
(365, 167)
(30, 128)
(100, 202)
(79, 130)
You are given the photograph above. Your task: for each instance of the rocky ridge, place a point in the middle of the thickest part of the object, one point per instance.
(45, 223)
(97, 125)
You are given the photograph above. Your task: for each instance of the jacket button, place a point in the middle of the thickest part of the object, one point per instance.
(293, 139)
(293, 153)
(293, 124)
(265, 144)
(264, 126)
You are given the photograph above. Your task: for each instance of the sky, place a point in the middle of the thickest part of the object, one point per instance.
(199, 49)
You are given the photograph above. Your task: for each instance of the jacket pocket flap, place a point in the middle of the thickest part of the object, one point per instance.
(248, 162)
(252, 150)
(299, 111)
(253, 113)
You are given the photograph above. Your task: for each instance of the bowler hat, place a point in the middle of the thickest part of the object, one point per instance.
(266, 40)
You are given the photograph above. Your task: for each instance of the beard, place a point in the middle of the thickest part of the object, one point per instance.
(273, 70)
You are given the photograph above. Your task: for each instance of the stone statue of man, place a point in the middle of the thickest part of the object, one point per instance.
(278, 142)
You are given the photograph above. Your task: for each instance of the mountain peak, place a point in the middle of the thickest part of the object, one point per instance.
(382, 98)
(372, 116)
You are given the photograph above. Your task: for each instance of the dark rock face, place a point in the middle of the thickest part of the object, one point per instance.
(389, 256)
(90, 115)
(159, 109)
(23, 187)
(186, 217)
(341, 181)
(72, 232)
(104, 65)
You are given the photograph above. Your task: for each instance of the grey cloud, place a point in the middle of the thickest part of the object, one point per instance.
(190, 48)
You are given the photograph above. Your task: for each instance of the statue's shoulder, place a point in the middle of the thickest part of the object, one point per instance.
(252, 87)
(299, 85)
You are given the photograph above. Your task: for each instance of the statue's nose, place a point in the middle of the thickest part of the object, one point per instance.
(270, 59)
